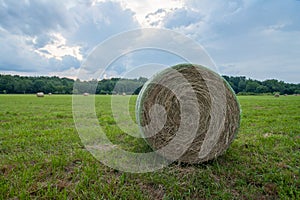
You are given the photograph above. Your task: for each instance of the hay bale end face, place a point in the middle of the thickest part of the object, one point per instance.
(172, 90)
(276, 95)
(40, 94)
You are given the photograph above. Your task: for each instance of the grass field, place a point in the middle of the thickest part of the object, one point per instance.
(42, 156)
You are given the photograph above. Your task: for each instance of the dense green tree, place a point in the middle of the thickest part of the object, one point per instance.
(261, 89)
(252, 86)
(242, 86)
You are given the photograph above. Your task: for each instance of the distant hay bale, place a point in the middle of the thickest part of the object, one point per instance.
(210, 139)
(86, 94)
(123, 94)
(276, 95)
(40, 94)
(49, 93)
(285, 95)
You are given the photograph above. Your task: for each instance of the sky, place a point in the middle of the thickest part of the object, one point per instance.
(259, 39)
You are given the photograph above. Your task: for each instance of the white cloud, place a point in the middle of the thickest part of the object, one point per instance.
(145, 7)
(58, 49)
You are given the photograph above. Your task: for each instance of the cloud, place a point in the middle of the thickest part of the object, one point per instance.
(181, 17)
(146, 7)
(155, 19)
(57, 49)
(96, 22)
(17, 55)
(46, 36)
(258, 39)
(33, 17)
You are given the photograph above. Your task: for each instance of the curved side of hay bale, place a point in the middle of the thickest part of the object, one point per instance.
(40, 94)
(154, 93)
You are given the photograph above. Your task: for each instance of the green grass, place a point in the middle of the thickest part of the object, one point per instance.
(42, 156)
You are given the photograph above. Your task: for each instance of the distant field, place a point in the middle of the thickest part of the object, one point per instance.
(42, 156)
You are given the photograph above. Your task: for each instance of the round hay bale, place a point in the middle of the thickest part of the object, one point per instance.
(86, 94)
(123, 94)
(161, 113)
(49, 93)
(276, 95)
(40, 94)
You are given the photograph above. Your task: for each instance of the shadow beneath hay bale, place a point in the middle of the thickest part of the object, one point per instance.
(223, 159)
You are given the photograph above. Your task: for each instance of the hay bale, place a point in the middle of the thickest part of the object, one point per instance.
(86, 94)
(276, 95)
(123, 94)
(49, 93)
(40, 94)
(194, 99)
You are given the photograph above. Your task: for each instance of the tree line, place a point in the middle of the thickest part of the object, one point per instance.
(29, 85)
(242, 85)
